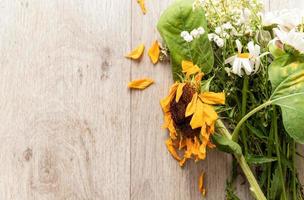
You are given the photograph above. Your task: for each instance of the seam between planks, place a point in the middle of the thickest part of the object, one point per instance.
(131, 111)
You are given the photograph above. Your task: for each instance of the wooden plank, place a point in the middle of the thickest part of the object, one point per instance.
(154, 174)
(64, 130)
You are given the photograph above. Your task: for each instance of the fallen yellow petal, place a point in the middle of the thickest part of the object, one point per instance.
(201, 184)
(213, 98)
(154, 52)
(189, 68)
(137, 52)
(179, 91)
(142, 5)
(140, 84)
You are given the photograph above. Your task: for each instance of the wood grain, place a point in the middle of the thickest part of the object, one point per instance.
(64, 100)
(70, 128)
(154, 174)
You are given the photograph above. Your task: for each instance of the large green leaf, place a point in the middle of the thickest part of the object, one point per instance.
(287, 78)
(179, 17)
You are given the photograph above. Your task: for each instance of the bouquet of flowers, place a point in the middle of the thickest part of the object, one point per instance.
(239, 87)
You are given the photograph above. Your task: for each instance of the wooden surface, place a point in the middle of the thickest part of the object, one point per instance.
(70, 128)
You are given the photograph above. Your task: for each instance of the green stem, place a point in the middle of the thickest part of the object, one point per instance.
(269, 153)
(277, 146)
(254, 186)
(243, 111)
(236, 131)
(294, 188)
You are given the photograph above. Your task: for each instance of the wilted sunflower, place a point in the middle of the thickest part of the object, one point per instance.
(190, 116)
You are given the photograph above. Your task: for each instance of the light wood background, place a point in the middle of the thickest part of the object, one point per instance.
(70, 128)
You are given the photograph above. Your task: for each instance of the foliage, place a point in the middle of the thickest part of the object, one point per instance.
(180, 17)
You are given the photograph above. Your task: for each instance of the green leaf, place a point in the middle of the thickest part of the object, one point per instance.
(256, 132)
(275, 186)
(205, 84)
(179, 17)
(226, 145)
(287, 78)
(253, 159)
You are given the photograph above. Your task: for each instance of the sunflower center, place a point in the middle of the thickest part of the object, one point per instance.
(178, 110)
(244, 55)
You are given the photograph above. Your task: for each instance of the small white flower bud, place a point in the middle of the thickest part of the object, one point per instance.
(195, 33)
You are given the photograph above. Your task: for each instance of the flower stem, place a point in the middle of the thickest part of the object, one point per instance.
(243, 111)
(294, 188)
(236, 131)
(277, 146)
(254, 186)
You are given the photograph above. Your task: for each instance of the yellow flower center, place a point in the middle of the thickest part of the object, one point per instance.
(244, 55)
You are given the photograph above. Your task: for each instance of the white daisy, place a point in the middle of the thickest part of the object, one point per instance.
(286, 19)
(245, 62)
(292, 38)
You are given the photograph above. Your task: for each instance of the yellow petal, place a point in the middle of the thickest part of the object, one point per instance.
(198, 118)
(154, 52)
(167, 120)
(188, 152)
(211, 145)
(137, 52)
(179, 91)
(171, 149)
(165, 103)
(209, 114)
(201, 184)
(191, 106)
(199, 77)
(182, 162)
(142, 5)
(189, 69)
(140, 83)
(213, 98)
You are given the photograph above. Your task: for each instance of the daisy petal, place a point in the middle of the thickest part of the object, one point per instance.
(239, 46)
(247, 66)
